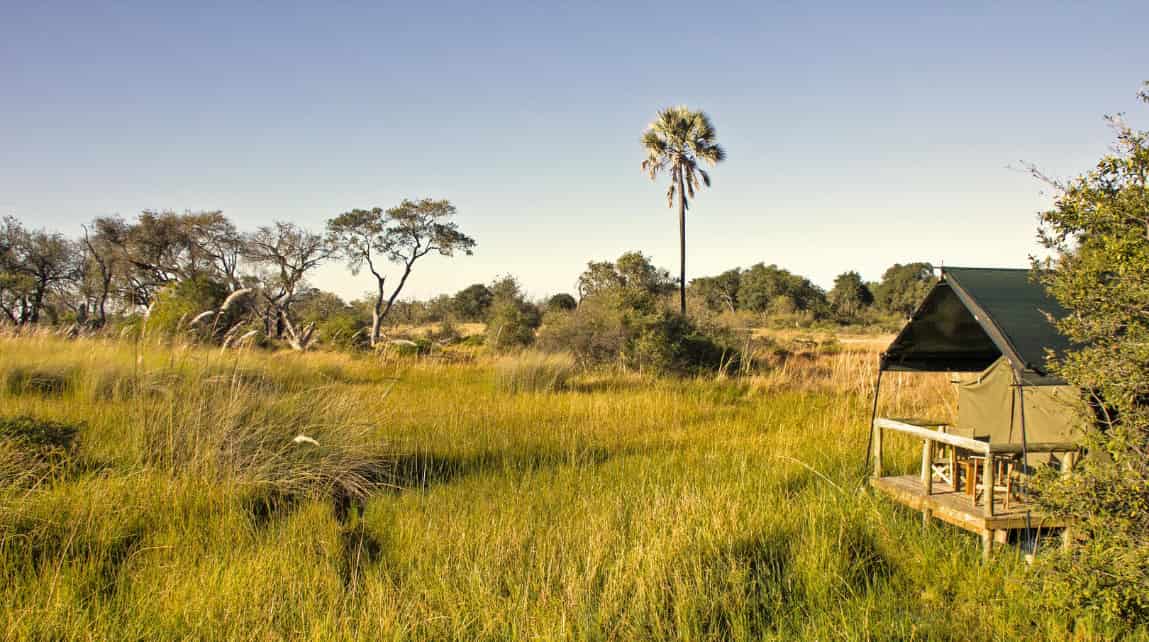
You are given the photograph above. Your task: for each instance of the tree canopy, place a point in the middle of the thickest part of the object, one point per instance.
(903, 287)
(850, 295)
(403, 235)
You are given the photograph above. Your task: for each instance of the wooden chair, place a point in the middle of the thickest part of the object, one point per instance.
(1003, 477)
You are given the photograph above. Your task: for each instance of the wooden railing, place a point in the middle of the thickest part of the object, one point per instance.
(932, 434)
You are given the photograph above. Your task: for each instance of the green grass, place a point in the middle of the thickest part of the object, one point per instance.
(618, 508)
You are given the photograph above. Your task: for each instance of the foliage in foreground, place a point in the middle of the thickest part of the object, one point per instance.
(625, 507)
(1100, 231)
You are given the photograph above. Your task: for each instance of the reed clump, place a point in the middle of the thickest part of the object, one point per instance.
(532, 371)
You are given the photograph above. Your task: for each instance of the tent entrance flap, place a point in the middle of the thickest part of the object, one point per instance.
(942, 336)
(972, 317)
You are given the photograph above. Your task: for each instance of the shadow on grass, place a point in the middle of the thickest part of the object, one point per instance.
(38, 381)
(96, 559)
(422, 470)
(110, 564)
(360, 550)
(263, 509)
(607, 385)
(41, 451)
(748, 588)
(867, 564)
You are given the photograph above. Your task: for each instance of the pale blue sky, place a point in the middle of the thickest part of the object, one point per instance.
(857, 136)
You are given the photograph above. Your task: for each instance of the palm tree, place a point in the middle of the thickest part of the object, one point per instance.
(675, 143)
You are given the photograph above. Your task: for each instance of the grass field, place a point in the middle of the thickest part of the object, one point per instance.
(618, 507)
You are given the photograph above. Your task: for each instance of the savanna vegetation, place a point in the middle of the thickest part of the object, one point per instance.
(197, 443)
(168, 490)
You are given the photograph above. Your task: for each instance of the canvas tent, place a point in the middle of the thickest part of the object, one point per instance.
(995, 325)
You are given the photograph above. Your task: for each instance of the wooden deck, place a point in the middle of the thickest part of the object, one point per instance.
(992, 519)
(958, 509)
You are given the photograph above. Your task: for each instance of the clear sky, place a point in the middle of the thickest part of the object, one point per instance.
(858, 135)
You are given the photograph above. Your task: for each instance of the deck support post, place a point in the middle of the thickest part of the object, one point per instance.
(928, 466)
(987, 538)
(988, 483)
(927, 477)
(877, 452)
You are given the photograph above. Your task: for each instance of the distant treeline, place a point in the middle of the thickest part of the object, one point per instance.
(767, 291)
(168, 271)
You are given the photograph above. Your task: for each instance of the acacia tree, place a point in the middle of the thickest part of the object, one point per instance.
(402, 235)
(1099, 232)
(33, 263)
(675, 143)
(286, 253)
(160, 248)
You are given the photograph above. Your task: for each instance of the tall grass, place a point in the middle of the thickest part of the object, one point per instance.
(620, 508)
(532, 371)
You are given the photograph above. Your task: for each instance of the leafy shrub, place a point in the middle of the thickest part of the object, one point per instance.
(179, 304)
(671, 343)
(445, 332)
(475, 340)
(409, 348)
(534, 372)
(344, 331)
(594, 333)
(1096, 231)
(602, 331)
(512, 319)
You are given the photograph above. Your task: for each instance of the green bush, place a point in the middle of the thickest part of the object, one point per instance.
(670, 343)
(603, 331)
(409, 348)
(475, 340)
(179, 305)
(595, 332)
(512, 320)
(1098, 272)
(343, 331)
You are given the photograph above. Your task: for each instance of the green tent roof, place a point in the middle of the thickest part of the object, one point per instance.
(971, 317)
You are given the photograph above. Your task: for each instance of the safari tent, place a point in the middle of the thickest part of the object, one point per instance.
(992, 330)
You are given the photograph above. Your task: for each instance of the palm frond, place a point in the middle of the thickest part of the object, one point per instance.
(675, 142)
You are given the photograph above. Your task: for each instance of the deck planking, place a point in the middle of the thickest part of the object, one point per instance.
(957, 508)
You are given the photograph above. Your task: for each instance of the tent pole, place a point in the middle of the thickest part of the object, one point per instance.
(1024, 455)
(873, 417)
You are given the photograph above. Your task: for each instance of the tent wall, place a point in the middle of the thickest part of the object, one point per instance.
(990, 407)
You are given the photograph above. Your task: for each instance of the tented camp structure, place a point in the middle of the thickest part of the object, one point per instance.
(991, 329)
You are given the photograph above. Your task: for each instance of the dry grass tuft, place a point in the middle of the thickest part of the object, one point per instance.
(534, 372)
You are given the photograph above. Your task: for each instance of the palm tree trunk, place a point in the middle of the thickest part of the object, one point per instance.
(681, 244)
